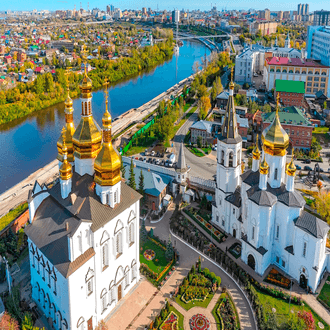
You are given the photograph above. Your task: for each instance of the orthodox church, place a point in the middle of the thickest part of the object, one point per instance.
(262, 209)
(83, 234)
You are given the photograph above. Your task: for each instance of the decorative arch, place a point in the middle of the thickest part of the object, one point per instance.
(59, 317)
(251, 261)
(133, 263)
(126, 270)
(89, 275)
(131, 217)
(277, 70)
(103, 293)
(119, 226)
(111, 285)
(54, 312)
(80, 321)
(105, 237)
(303, 270)
(230, 158)
(32, 249)
(119, 274)
(65, 324)
(284, 71)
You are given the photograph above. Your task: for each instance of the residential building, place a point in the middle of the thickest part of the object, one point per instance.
(83, 234)
(21, 56)
(175, 16)
(290, 92)
(61, 44)
(318, 44)
(314, 74)
(321, 18)
(205, 129)
(264, 14)
(298, 127)
(262, 209)
(265, 27)
(222, 99)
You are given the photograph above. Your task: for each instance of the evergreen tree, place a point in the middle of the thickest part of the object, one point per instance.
(123, 169)
(141, 184)
(169, 250)
(131, 180)
(143, 232)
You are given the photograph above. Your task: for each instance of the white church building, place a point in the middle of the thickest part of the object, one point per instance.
(262, 209)
(83, 234)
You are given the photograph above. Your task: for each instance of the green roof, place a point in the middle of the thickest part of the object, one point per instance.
(290, 86)
(289, 116)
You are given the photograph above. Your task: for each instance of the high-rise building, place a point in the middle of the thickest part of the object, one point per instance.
(264, 14)
(322, 18)
(108, 9)
(299, 8)
(144, 11)
(318, 44)
(176, 16)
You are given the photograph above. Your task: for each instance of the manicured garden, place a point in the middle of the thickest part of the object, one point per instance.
(225, 313)
(284, 315)
(324, 296)
(197, 288)
(197, 152)
(275, 277)
(12, 215)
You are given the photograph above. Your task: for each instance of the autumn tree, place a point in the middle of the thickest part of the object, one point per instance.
(204, 104)
(322, 203)
(8, 323)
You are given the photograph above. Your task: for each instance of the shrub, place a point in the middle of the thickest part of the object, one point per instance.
(206, 272)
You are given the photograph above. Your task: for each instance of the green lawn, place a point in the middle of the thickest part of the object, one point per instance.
(155, 266)
(194, 303)
(321, 129)
(325, 293)
(321, 134)
(206, 150)
(143, 144)
(196, 152)
(12, 215)
(283, 310)
(180, 316)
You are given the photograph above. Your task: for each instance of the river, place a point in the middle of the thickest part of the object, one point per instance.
(29, 143)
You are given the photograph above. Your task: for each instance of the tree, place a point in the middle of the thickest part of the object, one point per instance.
(204, 106)
(202, 91)
(131, 180)
(308, 319)
(27, 323)
(141, 184)
(123, 169)
(8, 323)
(322, 203)
(214, 93)
(199, 141)
(203, 203)
(143, 232)
(169, 250)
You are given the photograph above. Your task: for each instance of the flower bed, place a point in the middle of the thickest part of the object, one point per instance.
(195, 293)
(170, 323)
(276, 278)
(236, 250)
(149, 254)
(199, 322)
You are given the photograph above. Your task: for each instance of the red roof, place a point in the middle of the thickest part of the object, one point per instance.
(38, 69)
(293, 62)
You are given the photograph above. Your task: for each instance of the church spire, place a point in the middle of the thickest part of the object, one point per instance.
(229, 132)
(181, 164)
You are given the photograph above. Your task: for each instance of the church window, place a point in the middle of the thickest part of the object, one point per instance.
(115, 197)
(277, 231)
(233, 211)
(104, 300)
(253, 230)
(81, 324)
(90, 287)
(105, 256)
(304, 249)
(217, 218)
(230, 159)
(222, 157)
(275, 174)
(126, 280)
(223, 221)
(107, 196)
(119, 248)
(277, 259)
(80, 243)
(131, 234)
(283, 263)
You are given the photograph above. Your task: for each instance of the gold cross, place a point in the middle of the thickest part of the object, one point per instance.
(106, 84)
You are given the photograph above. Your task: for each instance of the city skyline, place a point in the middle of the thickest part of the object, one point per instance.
(170, 5)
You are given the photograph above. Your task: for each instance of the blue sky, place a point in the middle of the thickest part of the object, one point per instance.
(168, 5)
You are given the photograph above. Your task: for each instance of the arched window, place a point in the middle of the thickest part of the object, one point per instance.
(297, 72)
(53, 308)
(271, 70)
(284, 71)
(126, 277)
(323, 73)
(115, 197)
(310, 72)
(304, 72)
(104, 300)
(317, 72)
(85, 108)
(222, 157)
(290, 71)
(230, 164)
(108, 199)
(59, 318)
(275, 174)
(105, 256)
(238, 157)
(278, 70)
(131, 233)
(81, 324)
(119, 244)
(134, 270)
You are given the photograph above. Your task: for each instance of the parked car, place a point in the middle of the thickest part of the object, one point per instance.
(255, 75)
(149, 160)
(141, 158)
(298, 167)
(157, 162)
(162, 162)
(307, 161)
(166, 163)
(321, 170)
(152, 153)
(307, 168)
(145, 159)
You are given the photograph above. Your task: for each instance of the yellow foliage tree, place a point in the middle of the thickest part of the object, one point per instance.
(322, 203)
(204, 106)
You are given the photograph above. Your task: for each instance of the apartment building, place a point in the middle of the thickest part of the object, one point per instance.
(318, 43)
(321, 18)
(314, 74)
(291, 93)
(264, 14)
(265, 27)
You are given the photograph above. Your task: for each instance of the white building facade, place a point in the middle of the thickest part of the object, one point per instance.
(261, 208)
(84, 234)
(318, 44)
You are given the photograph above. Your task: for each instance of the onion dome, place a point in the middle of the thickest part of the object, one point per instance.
(274, 137)
(86, 85)
(107, 163)
(66, 168)
(291, 167)
(256, 151)
(68, 111)
(264, 166)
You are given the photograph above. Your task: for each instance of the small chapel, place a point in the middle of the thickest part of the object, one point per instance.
(83, 233)
(261, 208)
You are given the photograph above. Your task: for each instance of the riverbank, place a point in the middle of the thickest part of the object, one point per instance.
(48, 90)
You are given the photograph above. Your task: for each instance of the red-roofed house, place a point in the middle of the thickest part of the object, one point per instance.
(39, 70)
(315, 75)
(8, 59)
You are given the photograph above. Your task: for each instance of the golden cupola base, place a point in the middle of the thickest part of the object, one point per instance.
(274, 137)
(256, 151)
(107, 163)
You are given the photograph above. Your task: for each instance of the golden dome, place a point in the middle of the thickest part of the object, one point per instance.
(264, 166)
(274, 137)
(86, 82)
(256, 151)
(68, 133)
(107, 163)
(87, 138)
(66, 168)
(291, 167)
